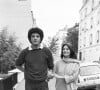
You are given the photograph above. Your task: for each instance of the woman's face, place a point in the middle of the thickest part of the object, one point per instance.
(66, 51)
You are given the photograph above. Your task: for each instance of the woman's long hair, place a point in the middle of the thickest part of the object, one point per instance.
(72, 53)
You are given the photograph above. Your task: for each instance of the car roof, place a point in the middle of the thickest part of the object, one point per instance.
(88, 63)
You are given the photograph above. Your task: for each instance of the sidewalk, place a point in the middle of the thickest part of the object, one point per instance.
(52, 84)
(21, 85)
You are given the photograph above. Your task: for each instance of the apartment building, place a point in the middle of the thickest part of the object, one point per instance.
(18, 17)
(89, 31)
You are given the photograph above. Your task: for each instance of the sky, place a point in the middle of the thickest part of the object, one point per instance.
(50, 15)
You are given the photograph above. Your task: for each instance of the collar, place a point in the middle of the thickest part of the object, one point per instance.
(69, 60)
(30, 48)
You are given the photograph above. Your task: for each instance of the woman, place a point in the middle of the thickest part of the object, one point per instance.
(66, 70)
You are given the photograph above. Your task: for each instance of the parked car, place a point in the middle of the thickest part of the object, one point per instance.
(89, 76)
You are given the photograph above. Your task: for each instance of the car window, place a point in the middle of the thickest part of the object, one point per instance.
(89, 70)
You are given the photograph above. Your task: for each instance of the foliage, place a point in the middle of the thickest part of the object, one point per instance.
(52, 44)
(9, 51)
(72, 37)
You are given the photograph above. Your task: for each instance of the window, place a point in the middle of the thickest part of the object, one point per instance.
(84, 41)
(98, 16)
(80, 55)
(92, 4)
(91, 21)
(97, 36)
(85, 12)
(89, 70)
(91, 26)
(98, 21)
(85, 26)
(91, 37)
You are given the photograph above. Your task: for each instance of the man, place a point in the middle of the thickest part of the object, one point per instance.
(37, 61)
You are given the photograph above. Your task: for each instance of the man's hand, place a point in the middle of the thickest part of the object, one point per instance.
(50, 75)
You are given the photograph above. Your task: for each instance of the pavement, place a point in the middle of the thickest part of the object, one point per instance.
(21, 85)
(52, 84)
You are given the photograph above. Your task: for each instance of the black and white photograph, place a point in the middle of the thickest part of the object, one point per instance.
(49, 44)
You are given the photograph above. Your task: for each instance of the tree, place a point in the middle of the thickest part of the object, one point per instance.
(9, 51)
(72, 37)
(52, 44)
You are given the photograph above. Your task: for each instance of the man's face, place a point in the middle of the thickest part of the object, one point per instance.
(35, 39)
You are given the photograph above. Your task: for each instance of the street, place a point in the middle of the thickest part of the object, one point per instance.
(21, 85)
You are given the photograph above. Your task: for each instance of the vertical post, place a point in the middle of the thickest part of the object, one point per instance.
(33, 20)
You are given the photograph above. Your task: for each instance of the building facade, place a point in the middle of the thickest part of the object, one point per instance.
(89, 31)
(18, 17)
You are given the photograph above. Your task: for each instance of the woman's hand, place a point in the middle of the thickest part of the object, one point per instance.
(67, 78)
(58, 76)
